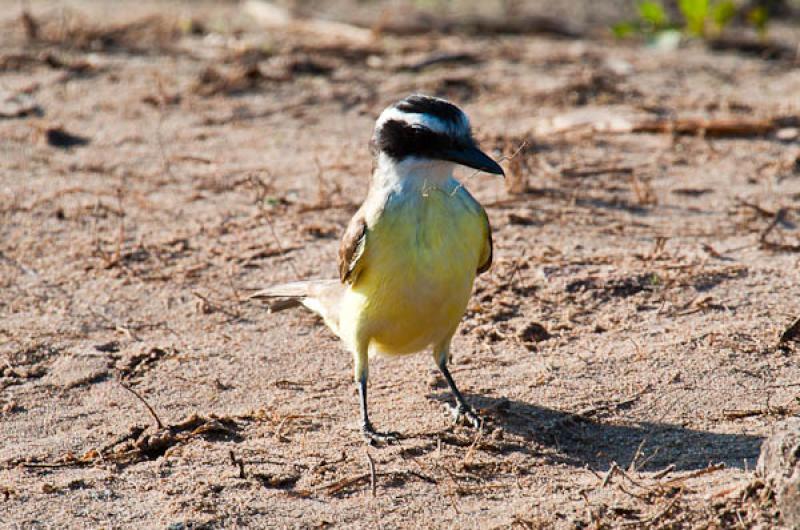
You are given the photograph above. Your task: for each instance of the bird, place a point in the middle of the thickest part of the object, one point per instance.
(409, 256)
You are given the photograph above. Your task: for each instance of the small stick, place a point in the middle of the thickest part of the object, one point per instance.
(165, 160)
(760, 210)
(695, 474)
(286, 419)
(194, 158)
(216, 307)
(621, 488)
(473, 445)
(790, 333)
(55, 465)
(579, 172)
(372, 482)
(237, 462)
(610, 473)
(655, 517)
(146, 404)
(323, 199)
(260, 196)
(339, 485)
(587, 413)
(629, 478)
(304, 208)
(664, 472)
(778, 247)
(636, 455)
(501, 159)
(133, 432)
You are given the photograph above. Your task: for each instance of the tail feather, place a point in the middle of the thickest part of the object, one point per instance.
(286, 290)
(320, 296)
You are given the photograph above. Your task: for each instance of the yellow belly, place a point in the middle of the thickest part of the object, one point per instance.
(420, 262)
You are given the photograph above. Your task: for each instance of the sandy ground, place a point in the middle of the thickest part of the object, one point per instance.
(623, 349)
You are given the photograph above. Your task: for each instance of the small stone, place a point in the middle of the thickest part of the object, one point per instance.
(49, 488)
(787, 134)
(435, 380)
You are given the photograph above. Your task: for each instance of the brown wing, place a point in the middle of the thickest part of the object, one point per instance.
(488, 250)
(352, 247)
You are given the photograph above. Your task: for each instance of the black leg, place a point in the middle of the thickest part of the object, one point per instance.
(367, 429)
(462, 410)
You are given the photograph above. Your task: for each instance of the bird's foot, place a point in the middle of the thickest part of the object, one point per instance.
(466, 414)
(374, 437)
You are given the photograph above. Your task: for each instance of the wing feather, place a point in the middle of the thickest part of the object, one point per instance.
(352, 248)
(488, 250)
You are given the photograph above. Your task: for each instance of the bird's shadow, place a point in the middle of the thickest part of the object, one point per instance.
(579, 441)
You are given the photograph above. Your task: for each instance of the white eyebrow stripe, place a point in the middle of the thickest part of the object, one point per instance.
(424, 120)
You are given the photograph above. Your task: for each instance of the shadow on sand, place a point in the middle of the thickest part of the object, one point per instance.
(581, 441)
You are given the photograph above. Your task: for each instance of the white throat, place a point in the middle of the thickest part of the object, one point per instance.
(412, 173)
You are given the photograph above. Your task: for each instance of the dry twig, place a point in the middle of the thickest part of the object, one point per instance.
(144, 402)
(792, 333)
(238, 463)
(780, 216)
(655, 517)
(371, 464)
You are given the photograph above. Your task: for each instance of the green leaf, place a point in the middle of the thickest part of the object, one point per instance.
(759, 17)
(722, 12)
(653, 13)
(694, 9)
(623, 30)
(695, 12)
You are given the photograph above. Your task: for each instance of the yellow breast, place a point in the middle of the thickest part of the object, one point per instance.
(420, 261)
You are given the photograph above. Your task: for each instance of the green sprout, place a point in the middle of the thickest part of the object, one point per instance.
(653, 14)
(722, 13)
(701, 18)
(695, 13)
(759, 17)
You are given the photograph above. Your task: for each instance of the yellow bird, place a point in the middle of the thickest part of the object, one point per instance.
(410, 255)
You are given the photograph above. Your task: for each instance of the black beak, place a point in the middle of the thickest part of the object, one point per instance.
(472, 157)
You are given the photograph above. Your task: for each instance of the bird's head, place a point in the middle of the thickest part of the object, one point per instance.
(427, 129)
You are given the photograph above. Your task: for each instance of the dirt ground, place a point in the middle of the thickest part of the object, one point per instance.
(161, 160)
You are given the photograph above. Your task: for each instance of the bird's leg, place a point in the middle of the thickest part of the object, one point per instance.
(462, 409)
(369, 432)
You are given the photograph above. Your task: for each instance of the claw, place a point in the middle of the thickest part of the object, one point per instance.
(374, 437)
(465, 413)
